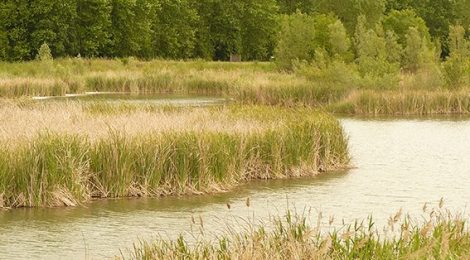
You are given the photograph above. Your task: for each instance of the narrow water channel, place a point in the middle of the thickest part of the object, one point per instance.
(130, 98)
(398, 164)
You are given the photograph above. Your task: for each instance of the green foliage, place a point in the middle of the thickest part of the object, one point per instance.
(259, 29)
(131, 28)
(339, 41)
(174, 36)
(226, 28)
(296, 41)
(348, 11)
(322, 23)
(14, 20)
(418, 51)
(401, 21)
(93, 27)
(307, 38)
(53, 23)
(393, 48)
(439, 16)
(391, 5)
(463, 14)
(292, 6)
(375, 66)
(331, 81)
(207, 29)
(457, 66)
(44, 53)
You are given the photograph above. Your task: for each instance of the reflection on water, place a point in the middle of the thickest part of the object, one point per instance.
(129, 98)
(398, 164)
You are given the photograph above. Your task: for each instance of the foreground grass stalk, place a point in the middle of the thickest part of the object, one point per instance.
(440, 236)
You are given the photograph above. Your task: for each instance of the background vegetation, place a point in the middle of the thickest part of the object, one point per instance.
(212, 29)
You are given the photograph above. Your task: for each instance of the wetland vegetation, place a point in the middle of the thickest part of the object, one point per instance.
(293, 236)
(302, 62)
(64, 154)
(246, 83)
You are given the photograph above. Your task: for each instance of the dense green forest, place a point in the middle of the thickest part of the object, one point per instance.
(214, 29)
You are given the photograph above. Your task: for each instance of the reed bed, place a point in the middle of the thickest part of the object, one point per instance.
(56, 154)
(440, 235)
(72, 76)
(247, 83)
(404, 102)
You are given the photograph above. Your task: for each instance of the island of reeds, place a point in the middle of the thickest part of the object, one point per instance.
(66, 153)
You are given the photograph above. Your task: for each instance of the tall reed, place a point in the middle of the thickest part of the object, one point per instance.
(53, 168)
(337, 87)
(404, 103)
(439, 236)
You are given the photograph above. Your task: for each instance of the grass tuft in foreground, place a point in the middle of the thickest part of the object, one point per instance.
(439, 236)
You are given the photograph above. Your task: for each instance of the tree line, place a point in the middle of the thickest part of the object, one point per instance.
(215, 29)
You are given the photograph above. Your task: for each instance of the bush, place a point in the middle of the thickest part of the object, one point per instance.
(44, 53)
(333, 81)
(455, 72)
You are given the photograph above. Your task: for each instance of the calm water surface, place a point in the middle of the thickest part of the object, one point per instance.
(129, 98)
(399, 164)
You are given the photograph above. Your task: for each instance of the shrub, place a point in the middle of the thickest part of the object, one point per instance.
(44, 53)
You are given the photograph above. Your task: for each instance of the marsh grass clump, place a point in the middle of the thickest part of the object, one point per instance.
(405, 103)
(77, 155)
(440, 235)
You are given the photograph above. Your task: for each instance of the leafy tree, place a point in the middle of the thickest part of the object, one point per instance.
(174, 36)
(15, 22)
(296, 40)
(144, 13)
(418, 51)
(339, 41)
(226, 28)
(463, 14)
(52, 22)
(292, 6)
(93, 26)
(393, 48)
(348, 11)
(398, 5)
(258, 31)
(400, 22)
(457, 66)
(322, 23)
(439, 15)
(369, 45)
(3, 33)
(123, 34)
(204, 47)
(373, 61)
